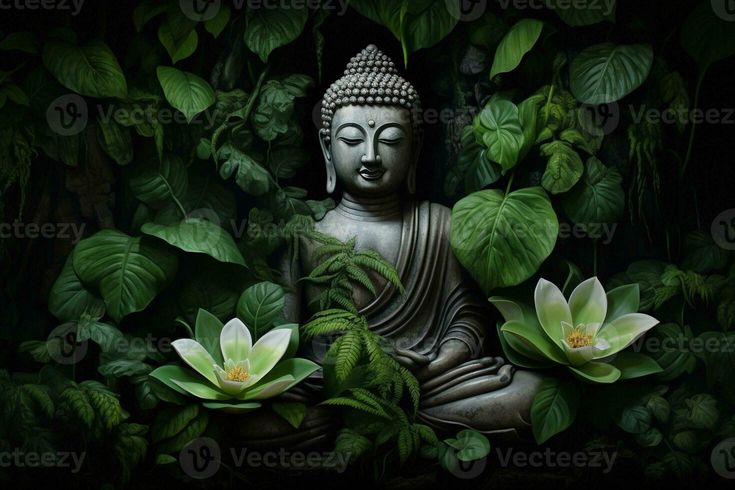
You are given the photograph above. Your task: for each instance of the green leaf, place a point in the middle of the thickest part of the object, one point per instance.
(634, 419)
(217, 24)
(635, 365)
(198, 235)
(69, 298)
(605, 73)
(185, 91)
(597, 372)
(171, 421)
(249, 174)
(233, 408)
(519, 40)
(128, 271)
(24, 41)
(90, 69)
(178, 35)
(702, 411)
(159, 184)
(621, 301)
(707, 37)
(587, 13)
(260, 305)
(293, 413)
(271, 28)
(472, 161)
(499, 127)
(563, 169)
(490, 227)
(598, 198)
(116, 141)
(554, 408)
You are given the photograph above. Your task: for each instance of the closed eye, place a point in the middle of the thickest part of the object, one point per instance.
(350, 141)
(390, 141)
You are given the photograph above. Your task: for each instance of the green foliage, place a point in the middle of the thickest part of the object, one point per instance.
(342, 267)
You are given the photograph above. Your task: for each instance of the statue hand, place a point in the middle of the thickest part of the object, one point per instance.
(451, 353)
(410, 359)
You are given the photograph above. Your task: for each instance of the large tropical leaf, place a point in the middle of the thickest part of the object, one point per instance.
(554, 408)
(499, 128)
(160, 184)
(503, 239)
(707, 37)
(128, 271)
(90, 69)
(513, 47)
(198, 235)
(606, 72)
(598, 198)
(563, 169)
(260, 305)
(587, 13)
(185, 91)
(69, 298)
(271, 28)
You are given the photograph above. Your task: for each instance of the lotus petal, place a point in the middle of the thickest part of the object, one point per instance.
(597, 372)
(268, 350)
(269, 390)
(201, 390)
(235, 340)
(536, 339)
(197, 357)
(552, 309)
(588, 302)
(623, 331)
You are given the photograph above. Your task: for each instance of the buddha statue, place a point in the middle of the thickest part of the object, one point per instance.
(370, 141)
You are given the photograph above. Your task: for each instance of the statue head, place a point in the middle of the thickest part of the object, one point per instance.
(370, 136)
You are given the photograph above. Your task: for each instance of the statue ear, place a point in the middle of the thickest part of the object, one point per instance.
(327, 153)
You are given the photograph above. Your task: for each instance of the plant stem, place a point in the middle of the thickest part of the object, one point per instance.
(693, 129)
(510, 182)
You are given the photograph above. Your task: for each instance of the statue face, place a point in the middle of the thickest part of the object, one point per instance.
(372, 148)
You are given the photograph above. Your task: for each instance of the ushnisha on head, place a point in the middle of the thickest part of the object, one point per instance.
(370, 135)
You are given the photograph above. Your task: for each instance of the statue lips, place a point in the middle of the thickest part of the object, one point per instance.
(371, 174)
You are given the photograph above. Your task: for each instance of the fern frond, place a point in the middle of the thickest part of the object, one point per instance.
(348, 353)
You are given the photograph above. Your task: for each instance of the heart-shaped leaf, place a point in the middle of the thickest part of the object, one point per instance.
(90, 69)
(198, 235)
(490, 227)
(128, 271)
(499, 128)
(519, 40)
(554, 408)
(606, 72)
(598, 198)
(185, 91)
(270, 28)
(260, 305)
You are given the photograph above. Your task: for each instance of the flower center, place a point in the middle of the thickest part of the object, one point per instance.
(237, 373)
(579, 337)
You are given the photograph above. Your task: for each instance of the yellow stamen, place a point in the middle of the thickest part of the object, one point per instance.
(237, 373)
(578, 337)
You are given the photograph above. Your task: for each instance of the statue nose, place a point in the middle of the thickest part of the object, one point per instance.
(371, 159)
